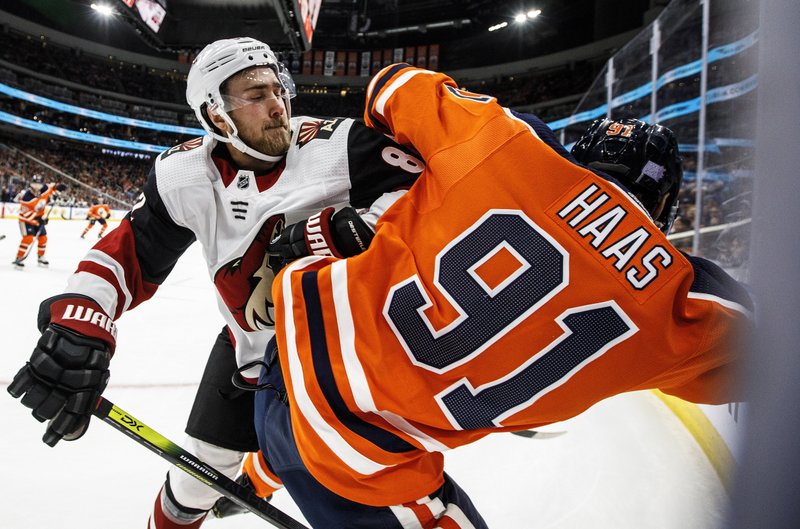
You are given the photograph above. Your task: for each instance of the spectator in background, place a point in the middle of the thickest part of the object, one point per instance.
(116, 177)
(7, 193)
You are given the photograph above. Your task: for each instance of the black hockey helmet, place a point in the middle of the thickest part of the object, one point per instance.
(644, 158)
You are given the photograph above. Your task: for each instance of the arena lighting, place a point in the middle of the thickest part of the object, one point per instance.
(103, 9)
(522, 17)
(501, 25)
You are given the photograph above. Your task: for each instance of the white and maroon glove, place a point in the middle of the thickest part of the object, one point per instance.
(68, 369)
(333, 233)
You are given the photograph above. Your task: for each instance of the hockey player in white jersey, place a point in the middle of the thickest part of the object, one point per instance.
(257, 171)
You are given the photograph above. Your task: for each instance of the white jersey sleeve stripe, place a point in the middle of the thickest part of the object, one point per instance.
(390, 89)
(95, 287)
(722, 301)
(105, 260)
(406, 517)
(357, 378)
(349, 455)
(260, 471)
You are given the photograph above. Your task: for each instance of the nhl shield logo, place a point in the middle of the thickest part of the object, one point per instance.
(243, 181)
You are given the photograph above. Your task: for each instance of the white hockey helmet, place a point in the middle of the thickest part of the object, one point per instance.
(213, 66)
(37, 182)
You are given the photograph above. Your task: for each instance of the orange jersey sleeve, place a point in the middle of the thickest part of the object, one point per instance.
(508, 289)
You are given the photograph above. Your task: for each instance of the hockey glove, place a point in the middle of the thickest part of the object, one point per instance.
(224, 507)
(68, 369)
(61, 187)
(339, 234)
(42, 221)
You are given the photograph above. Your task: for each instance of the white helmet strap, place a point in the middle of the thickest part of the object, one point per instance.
(234, 139)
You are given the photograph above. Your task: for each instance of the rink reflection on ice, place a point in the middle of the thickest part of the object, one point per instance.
(627, 463)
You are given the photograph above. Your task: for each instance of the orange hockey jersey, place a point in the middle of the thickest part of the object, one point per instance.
(99, 211)
(508, 289)
(32, 207)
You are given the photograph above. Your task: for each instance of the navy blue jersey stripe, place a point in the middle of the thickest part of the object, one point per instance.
(322, 367)
(545, 133)
(712, 280)
(379, 84)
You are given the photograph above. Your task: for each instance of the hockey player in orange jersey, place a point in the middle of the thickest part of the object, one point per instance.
(510, 288)
(99, 212)
(32, 220)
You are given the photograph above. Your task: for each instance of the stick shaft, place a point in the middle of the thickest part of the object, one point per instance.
(155, 442)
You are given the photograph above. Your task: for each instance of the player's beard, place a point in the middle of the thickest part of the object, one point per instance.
(273, 139)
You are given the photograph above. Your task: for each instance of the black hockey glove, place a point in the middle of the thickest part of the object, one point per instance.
(68, 369)
(42, 221)
(61, 186)
(223, 507)
(339, 234)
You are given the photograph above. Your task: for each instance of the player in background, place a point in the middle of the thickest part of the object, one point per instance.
(644, 158)
(496, 311)
(32, 220)
(233, 191)
(99, 212)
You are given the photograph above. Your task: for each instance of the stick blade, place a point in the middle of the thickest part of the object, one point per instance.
(536, 434)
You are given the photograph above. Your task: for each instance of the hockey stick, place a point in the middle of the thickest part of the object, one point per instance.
(154, 441)
(530, 434)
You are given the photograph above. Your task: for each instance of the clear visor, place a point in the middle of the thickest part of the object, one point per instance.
(258, 86)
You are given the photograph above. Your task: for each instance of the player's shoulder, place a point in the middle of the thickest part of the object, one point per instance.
(713, 283)
(315, 132)
(185, 165)
(389, 79)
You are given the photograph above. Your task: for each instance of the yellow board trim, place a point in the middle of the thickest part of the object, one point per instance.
(703, 431)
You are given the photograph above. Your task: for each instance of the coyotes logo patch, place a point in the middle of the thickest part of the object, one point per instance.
(321, 129)
(245, 284)
(183, 147)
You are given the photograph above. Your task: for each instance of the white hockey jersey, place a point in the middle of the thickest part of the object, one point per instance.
(196, 193)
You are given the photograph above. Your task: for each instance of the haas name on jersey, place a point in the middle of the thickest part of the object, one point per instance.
(616, 241)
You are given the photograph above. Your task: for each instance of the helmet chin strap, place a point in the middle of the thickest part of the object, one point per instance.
(237, 142)
(234, 139)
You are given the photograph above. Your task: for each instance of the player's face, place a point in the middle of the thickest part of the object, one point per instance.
(254, 101)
